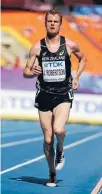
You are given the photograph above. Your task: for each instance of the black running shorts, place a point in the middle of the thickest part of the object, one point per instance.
(46, 101)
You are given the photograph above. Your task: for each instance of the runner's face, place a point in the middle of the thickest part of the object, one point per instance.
(53, 24)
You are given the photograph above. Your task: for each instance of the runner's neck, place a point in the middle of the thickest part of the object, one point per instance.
(52, 41)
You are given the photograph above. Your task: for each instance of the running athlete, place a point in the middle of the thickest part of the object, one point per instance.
(50, 61)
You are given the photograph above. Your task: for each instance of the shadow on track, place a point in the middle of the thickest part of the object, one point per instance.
(35, 180)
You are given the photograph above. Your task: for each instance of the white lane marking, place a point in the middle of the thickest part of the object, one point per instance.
(98, 188)
(22, 164)
(42, 156)
(20, 133)
(81, 131)
(83, 140)
(30, 132)
(8, 133)
(35, 139)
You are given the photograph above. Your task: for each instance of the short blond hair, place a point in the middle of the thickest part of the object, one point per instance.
(53, 12)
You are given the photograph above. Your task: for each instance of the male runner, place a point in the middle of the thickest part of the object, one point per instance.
(50, 61)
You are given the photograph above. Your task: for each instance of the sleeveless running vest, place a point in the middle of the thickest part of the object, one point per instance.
(56, 69)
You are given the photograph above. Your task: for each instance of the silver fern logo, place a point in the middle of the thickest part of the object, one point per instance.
(61, 53)
(44, 54)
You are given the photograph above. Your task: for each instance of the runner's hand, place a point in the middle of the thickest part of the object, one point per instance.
(75, 84)
(36, 70)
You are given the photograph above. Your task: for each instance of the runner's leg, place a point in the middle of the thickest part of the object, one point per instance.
(61, 115)
(46, 124)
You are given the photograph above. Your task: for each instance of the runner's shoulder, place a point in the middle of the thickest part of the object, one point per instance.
(35, 49)
(71, 44)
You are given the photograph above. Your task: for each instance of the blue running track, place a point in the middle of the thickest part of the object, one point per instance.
(24, 168)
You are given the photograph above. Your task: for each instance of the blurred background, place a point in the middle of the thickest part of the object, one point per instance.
(22, 24)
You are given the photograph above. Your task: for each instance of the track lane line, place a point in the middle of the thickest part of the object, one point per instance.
(35, 139)
(98, 188)
(89, 138)
(40, 138)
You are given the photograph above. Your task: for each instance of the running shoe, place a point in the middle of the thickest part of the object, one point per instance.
(60, 160)
(52, 180)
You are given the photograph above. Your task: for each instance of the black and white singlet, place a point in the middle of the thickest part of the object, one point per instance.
(56, 69)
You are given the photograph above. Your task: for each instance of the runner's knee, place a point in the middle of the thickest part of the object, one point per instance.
(48, 139)
(58, 130)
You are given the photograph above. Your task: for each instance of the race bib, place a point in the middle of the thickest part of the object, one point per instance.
(54, 71)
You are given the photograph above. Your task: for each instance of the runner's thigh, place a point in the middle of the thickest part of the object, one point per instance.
(61, 115)
(46, 120)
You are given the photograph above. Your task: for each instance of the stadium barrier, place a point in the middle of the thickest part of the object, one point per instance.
(20, 105)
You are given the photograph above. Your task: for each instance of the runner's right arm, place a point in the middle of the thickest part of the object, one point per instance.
(32, 68)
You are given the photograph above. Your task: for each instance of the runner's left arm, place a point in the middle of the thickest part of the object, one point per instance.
(82, 60)
(74, 48)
